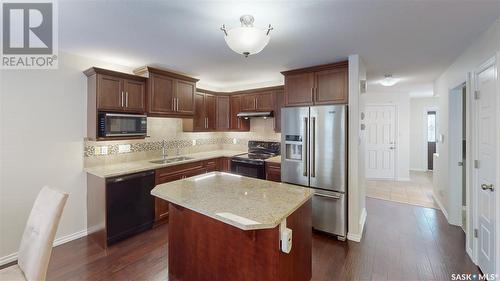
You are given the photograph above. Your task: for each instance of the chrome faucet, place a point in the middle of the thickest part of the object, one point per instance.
(164, 150)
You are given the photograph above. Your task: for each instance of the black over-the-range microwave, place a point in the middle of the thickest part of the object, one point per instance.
(120, 124)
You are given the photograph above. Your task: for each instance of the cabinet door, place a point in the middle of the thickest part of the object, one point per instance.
(193, 173)
(265, 101)
(161, 94)
(273, 172)
(135, 95)
(248, 103)
(238, 123)
(210, 110)
(224, 164)
(331, 86)
(299, 89)
(161, 206)
(185, 92)
(278, 104)
(223, 112)
(211, 165)
(199, 112)
(109, 93)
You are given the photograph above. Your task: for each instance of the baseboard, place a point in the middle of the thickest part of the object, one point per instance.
(445, 213)
(59, 241)
(418, 170)
(403, 179)
(356, 237)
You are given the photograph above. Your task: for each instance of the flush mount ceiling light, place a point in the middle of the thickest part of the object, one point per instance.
(246, 39)
(388, 81)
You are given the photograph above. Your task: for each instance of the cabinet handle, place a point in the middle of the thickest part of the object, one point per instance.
(126, 99)
(177, 104)
(173, 104)
(312, 93)
(121, 100)
(255, 103)
(239, 120)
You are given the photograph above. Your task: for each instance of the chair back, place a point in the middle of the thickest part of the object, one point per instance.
(38, 237)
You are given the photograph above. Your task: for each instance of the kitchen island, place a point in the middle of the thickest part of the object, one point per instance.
(227, 227)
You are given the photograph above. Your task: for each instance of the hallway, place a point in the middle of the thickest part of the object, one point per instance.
(417, 191)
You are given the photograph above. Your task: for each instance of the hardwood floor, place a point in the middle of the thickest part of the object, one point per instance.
(400, 242)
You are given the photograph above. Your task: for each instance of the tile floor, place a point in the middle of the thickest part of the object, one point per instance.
(417, 191)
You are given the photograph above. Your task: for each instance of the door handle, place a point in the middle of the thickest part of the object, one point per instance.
(460, 164)
(313, 146)
(487, 186)
(305, 145)
(392, 148)
(327, 196)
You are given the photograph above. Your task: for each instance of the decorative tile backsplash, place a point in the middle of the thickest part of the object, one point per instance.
(169, 130)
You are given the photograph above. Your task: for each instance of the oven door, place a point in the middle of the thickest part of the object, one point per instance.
(247, 169)
(115, 124)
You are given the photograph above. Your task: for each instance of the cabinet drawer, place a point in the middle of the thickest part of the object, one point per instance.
(170, 172)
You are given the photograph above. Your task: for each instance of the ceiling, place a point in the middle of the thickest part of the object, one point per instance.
(413, 40)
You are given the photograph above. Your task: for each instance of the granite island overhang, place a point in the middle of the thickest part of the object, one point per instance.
(229, 227)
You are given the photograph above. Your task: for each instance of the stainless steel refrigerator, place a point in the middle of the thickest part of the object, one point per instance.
(313, 144)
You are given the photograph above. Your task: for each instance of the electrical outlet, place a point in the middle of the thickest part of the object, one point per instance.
(104, 150)
(123, 148)
(194, 142)
(234, 141)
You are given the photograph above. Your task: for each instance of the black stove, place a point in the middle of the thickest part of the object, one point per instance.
(252, 164)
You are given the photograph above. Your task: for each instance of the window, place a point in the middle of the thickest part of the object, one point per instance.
(431, 126)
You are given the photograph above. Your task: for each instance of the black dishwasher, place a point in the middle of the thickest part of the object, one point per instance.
(129, 205)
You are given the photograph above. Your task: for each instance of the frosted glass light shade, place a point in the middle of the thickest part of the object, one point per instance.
(388, 81)
(247, 40)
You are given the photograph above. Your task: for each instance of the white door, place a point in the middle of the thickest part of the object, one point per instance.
(486, 177)
(380, 141)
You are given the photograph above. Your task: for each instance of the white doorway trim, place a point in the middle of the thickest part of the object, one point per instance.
(474, 186)
(396, 138)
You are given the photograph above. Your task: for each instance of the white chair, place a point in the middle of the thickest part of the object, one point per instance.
(36, 244)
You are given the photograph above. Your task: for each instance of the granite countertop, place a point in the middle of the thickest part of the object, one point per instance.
(118, 169)
(275, 159)
(245, 203)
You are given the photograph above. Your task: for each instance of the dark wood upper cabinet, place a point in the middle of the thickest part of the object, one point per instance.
(199, 121)
(185, 97)
(248, 103)
(237, 123)
(223, 113)
(211, 110)
(160, 94)
(279, 101)
(317, 85)
(299, 89)
(135, 95)
(265, 101)
(109, 92)
(112, 91)
(169, 94)
(331, 86)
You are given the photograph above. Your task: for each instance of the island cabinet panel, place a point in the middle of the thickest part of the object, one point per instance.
(317, 85)
(273, 171)
(203, 248)
(237, 123)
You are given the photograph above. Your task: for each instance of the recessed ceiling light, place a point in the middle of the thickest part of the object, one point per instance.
(389, 81)
(246, 39)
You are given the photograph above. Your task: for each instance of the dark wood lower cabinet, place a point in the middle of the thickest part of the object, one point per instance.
(207, 249)
(273, 171)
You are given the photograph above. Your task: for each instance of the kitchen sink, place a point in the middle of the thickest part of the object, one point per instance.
(171, 160)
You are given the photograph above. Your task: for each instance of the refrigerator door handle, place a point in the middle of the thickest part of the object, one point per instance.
(313, 147)
(327, 196)
(305, 145)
